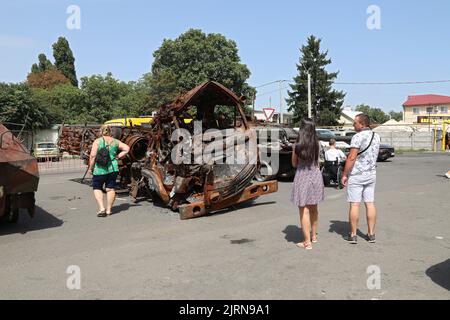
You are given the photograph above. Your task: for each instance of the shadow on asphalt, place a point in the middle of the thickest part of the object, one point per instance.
(286, 179)
(440, 274)
(42, 220)
(243, 205)
(293, 234)
(116, 209)
(342, 228)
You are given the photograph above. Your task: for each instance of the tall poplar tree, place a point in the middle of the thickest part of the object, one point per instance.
(326, 103)
(64, 60)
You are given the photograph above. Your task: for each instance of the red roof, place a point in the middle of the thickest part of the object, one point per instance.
(426, 99)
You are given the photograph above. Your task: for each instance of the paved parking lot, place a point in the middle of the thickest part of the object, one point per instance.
(248, 252)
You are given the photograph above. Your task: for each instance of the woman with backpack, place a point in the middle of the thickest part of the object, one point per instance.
(104, 168)
(308, 188)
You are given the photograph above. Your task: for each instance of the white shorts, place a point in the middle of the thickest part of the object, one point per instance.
(361, 187)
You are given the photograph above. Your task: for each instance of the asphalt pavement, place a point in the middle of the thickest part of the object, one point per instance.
(247, 252)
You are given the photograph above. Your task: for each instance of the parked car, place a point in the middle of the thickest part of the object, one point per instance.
(344, 135)
(47, 151)
(386, 152)
(325, 135)
(268, 144)
(291, 134)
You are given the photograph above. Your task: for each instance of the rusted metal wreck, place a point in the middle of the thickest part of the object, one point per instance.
(198, 184)
(19, 177)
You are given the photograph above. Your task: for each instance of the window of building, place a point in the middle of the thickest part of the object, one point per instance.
(444, 109)
(416, 110)
(429, 109)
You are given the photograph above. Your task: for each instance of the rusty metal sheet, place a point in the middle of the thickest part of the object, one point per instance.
(19, 175)
(194, 189)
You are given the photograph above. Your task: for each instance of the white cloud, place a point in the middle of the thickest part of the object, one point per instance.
(11, 41)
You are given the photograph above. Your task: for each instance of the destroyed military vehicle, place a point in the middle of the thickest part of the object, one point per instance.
(19, 177)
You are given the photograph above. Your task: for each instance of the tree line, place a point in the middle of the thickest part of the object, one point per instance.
(53, 94)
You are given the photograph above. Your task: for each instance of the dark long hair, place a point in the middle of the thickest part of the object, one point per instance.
(307, 147)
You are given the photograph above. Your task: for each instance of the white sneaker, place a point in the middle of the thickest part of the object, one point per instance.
(447, 175)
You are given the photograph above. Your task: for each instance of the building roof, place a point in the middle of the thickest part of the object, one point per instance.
(349, 113)
(390, 122)
(393, 125)
(426, 99)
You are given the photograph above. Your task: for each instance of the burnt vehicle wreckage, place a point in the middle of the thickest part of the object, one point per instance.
(168, 160)
(19, 177)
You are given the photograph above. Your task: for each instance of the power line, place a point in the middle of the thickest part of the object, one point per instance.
(369, 83)
(392, 83)
(268, 92)
(351, 83)
(272, 82)
(266, 84)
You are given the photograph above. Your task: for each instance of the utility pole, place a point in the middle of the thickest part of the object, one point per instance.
(309, 95)
(281, 102)
(253, 111)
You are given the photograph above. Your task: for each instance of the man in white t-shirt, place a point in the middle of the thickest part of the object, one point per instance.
(334, 154)
(360, 176)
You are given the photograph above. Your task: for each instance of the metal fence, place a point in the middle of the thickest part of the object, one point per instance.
(66, 165)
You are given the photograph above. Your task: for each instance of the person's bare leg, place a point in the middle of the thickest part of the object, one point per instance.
(110, 197)
(314, 216)
(371, 213)
(98, 194)
(353, 217)
(305, 222)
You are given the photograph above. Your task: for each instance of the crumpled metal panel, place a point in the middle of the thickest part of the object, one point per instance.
(194, 189)
(19, 174)
(199, 189)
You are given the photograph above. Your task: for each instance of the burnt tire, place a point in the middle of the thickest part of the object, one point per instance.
(13, 216)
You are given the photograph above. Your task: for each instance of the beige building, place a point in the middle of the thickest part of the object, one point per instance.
(347, 117)
(427, 108)
(287, 117)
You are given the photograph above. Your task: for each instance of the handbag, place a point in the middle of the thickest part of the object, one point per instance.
(361, 152)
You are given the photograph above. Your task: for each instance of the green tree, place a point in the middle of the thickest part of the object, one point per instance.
(104, 98)
(326, 103)
(397, 116)
(18, 106)
(376, 115)
(64, 60)
(62, 103)
(43, 65)
(192, 58)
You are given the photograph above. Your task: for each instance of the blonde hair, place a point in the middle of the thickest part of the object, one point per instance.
(105, 130)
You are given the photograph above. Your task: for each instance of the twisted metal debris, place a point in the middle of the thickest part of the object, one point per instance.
(193, 188)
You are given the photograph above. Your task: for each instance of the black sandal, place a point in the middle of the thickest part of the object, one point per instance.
(101, 214)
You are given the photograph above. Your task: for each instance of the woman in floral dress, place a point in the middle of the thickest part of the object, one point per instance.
(307, 190)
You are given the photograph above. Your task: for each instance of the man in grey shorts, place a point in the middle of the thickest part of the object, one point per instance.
(360, 176)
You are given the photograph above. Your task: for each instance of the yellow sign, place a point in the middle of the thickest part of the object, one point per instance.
(433, 119)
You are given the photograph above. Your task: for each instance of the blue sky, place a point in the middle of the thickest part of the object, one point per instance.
(120, 37)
